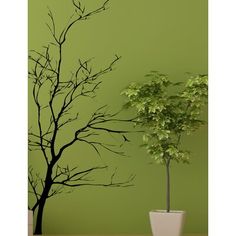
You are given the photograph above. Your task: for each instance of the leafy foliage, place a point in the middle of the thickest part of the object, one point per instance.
(167, 110)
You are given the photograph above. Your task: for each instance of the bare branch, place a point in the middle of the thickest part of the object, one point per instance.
(99, 116)
(52, 28)
(69, 181)
(70, 176)
(56, 191)
(85, 87)
(33, 183)
(103, 145)
(81, 15)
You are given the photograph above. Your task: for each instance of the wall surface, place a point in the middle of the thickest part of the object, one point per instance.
(165, 35)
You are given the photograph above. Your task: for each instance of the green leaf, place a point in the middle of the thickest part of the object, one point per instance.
(167, 110)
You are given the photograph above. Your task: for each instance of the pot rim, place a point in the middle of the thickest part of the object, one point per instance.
(171, 211)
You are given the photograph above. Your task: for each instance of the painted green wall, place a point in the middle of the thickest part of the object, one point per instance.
(165, 35)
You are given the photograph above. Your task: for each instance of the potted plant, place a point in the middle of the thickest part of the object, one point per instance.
(167, 111)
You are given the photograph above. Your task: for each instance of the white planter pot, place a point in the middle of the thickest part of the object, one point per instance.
(167, 223)
(30, 223)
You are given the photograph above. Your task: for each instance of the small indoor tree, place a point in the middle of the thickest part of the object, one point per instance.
(55, 96)
(167, 111)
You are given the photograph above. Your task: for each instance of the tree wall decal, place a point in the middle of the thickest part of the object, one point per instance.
(54, 97)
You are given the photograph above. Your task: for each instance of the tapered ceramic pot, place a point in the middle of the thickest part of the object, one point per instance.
(30, 223)
(167, 223)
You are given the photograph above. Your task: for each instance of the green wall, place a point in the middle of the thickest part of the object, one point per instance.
(165, 35)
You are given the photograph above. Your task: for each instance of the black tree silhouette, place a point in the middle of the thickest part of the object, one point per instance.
(45, 74)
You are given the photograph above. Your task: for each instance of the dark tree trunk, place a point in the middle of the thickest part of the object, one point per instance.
(38, 226)
(168, 186)
(42, 201)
